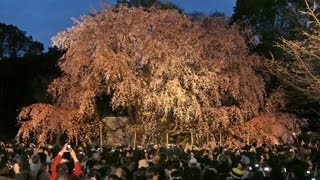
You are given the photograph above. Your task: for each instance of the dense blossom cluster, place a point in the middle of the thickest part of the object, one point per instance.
(171, 74)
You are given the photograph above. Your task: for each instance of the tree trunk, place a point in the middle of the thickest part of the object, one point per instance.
(106, 136)
(171, 131)
(58, 138)
(100, 134)
(51, 138)
(220, 138)
(77, 140)
(192, 140)
(134, 137)
(167, 139)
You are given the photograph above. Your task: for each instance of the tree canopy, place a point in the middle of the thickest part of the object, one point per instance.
(302, 68)
(269, 20)
(299, 66)
(171, 73)
(14, 43)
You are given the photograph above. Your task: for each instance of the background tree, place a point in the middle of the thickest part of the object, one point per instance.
(299, 67)
(14, 43)
(171, 73)
(269, 20)
(302, 70)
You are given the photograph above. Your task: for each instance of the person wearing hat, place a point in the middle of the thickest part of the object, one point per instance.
(193, 163)
(194, 168)
(245, 162)
(93, 163)
(236, 173)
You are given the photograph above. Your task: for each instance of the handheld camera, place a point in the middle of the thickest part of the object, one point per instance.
(266, 169)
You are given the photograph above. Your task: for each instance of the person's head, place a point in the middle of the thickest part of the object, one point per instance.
(257, 176)
(143, 163)
(236, 173)
(44, 168)
(176, 175)
(62, 170)
(35, 159)
(210, 173)
(96, 156)
(95, 165)
(42, 157)
(174, 157)
(93, 176)
(193, 162)
(153, 172)
(43, 173)
(156, 158)
(63, 177)
(163, 158)
(195, 172)
(120, 172)
(113, 177)
(155, 147)
(173, 166)
(4, 169)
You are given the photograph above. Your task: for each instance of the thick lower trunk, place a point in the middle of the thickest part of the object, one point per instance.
(58, 138)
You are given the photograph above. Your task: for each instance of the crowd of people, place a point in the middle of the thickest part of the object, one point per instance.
(23, 161)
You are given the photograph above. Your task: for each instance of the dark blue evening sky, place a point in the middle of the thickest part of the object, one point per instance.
(44, 18)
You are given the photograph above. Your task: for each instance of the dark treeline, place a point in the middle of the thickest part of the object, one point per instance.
(23, 81)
